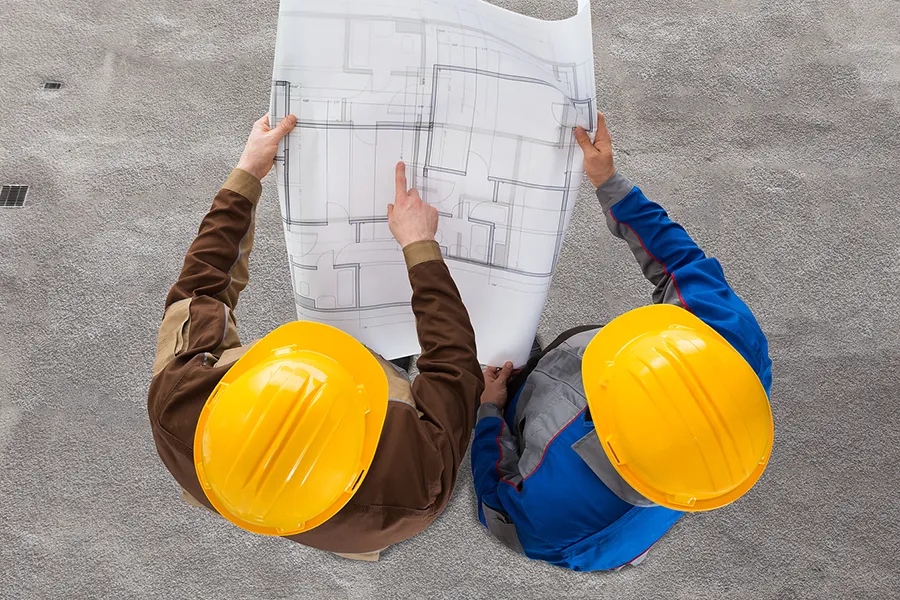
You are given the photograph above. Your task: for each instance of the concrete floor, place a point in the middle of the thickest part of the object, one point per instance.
(770, 129)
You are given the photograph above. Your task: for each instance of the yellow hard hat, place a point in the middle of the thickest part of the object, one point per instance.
(681, 415)
(285, 439)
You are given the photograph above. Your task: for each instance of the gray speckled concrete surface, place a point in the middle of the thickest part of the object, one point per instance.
(770, 129)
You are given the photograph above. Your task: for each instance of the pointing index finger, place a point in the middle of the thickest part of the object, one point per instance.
(400, 178)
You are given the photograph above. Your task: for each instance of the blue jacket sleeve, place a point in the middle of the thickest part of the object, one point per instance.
(494, 457)
(681, 273)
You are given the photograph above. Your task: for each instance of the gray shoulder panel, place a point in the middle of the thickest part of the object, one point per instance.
(591, 452)
(551, 398)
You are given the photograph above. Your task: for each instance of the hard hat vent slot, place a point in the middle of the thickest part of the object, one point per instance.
(216, 391)
(358, 479)
(613, 452)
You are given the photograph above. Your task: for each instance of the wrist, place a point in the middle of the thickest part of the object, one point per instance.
(407, 242)
(602, 178)
(606, 177)
(250, 169)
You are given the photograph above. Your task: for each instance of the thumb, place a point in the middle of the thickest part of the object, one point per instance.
(505, 372)
(285, 127)
(390, 210)
(584, 140)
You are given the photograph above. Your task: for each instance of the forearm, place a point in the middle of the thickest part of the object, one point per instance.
(659, 244)
(450, 380)
(486, 455)
(683, 274)
(217, 263)
(495, 465)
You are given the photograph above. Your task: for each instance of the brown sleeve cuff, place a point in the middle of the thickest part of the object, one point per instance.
(419, 252)
(243, 183)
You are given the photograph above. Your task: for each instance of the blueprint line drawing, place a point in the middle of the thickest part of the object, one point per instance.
(480, 103)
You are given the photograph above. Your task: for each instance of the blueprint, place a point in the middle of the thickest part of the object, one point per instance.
(480, 104)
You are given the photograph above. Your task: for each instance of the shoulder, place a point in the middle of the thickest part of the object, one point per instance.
(178, 393)
(407, 471)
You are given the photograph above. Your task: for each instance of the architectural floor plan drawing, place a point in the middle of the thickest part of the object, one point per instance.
(480, 103)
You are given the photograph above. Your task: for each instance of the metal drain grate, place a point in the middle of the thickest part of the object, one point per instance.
(13, 196)
(52, 85)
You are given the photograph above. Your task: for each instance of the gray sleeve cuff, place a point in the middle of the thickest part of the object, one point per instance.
(613, 189)
(488, 409)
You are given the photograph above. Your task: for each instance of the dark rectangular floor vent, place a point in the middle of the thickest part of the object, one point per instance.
(52, 85)
(13, 196)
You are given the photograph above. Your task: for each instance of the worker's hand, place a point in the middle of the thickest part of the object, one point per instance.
(598, 155)
(495, 380)
(259, 153)
(410, 218)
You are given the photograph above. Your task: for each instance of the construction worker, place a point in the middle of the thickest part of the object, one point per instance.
(612, 433)
(306, 434)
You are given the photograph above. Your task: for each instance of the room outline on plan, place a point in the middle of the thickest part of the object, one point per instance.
(483, 125)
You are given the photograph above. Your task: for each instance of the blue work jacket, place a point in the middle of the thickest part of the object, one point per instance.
(536, 489)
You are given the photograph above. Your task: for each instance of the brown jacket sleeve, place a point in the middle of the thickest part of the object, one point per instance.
(217, 263)
(199, 327)
(414, 471)
(450, 380)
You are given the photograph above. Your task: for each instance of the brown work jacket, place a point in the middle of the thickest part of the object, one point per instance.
(427, 427)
